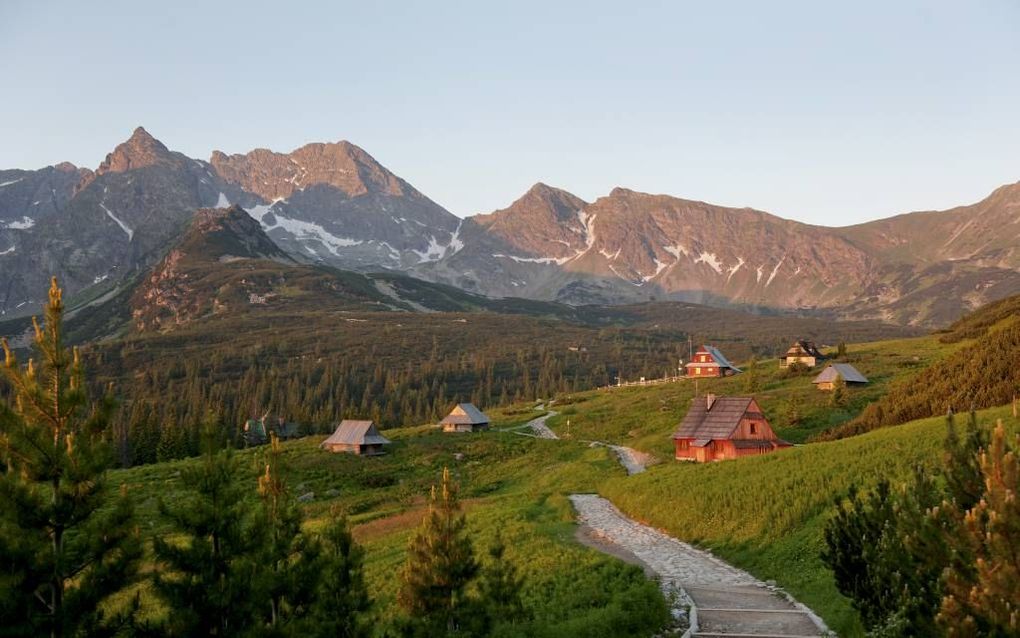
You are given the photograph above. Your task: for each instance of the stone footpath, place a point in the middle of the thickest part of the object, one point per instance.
(727, 601)
(539, 427)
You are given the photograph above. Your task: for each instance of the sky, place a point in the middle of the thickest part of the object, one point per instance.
(828, 113)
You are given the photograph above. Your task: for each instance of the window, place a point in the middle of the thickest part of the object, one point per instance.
(754, 428)
(697, 371)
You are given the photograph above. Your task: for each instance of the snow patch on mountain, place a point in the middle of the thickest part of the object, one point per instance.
(775, 270)
(13, 181)
(559, 261)
(130, 233)
(676, 250)
(610, 256)
(22, 224)
(307, 230)
(733, 269)
(222, 202)
(659, 267)
(711, 260)
(8, 251)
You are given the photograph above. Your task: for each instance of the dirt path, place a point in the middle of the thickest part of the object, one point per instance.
(727, 601)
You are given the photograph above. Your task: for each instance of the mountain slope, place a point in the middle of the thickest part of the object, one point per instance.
(921, 269)
(335, 203)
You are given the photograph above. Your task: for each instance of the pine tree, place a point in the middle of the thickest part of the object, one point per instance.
(289, 563)
(440, 564)
(206, 565)
(982, 592)
(500, 586)
(341, 604)
(62, 558)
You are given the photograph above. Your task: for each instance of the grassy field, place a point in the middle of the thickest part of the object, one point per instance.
(510, 483)
(644, 417)
(766, 514)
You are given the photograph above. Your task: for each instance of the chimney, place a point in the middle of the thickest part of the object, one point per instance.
(709, 400)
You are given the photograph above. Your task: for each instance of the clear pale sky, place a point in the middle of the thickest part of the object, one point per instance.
(830, 113)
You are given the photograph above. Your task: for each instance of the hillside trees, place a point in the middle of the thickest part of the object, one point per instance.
(63, 554)
(940, 556)
(983, 579)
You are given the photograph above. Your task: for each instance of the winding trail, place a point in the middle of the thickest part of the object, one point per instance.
(539, 427)
(725, 601)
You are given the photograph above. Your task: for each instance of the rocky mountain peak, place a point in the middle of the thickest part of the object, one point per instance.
(341, 165)
(138, 151)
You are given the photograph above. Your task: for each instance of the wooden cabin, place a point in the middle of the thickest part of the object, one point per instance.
(804, 352)
(719, 428)
(827, 379)
(465, 417)
(356, 437)
(709, 362)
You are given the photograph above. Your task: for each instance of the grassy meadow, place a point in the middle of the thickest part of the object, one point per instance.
(511, 484)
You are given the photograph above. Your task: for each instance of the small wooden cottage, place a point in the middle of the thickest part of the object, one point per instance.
(465, 417)
(709, 362)
(356, 437)
(719, 428)
(827, 379)
(804, 352)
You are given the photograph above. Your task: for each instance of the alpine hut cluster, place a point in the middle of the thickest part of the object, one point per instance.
(465, 417)
(709, 362)
(718, 428)
(356, 437)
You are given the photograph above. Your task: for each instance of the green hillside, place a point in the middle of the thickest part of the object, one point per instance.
(981, 372)
(644, 417)
(766, 514)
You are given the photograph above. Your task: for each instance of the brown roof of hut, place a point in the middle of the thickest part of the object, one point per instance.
(719, 422)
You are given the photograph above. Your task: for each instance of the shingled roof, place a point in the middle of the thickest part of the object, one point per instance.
(845, 370)
(351, 432)
(465, 414)
(719, 422)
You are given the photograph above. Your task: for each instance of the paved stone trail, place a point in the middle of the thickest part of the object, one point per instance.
(539, 427)
(728, 601)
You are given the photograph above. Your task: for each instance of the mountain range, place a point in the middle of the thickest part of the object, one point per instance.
(333, 204)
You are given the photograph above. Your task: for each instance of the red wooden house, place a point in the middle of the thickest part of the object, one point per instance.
(718, 428)
(709, 362)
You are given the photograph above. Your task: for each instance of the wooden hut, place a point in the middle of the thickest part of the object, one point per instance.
(709, 362)
(718, 428)
(827, 379)
(465, 417)
(803, 352)
(356, 437)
